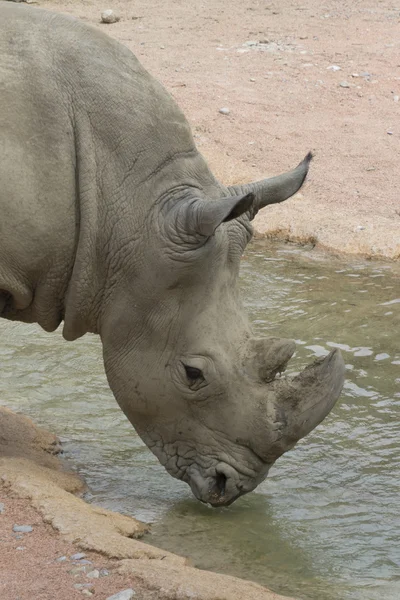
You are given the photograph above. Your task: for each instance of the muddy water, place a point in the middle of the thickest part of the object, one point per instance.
(325, 525)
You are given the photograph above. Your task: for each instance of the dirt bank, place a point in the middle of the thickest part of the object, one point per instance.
(274, 66)
(36, 491)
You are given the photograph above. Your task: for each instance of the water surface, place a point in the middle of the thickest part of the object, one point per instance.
(325, 525)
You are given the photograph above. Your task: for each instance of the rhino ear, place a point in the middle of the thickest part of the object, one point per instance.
(205, 216)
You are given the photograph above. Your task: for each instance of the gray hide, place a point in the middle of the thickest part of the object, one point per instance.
(112, 222)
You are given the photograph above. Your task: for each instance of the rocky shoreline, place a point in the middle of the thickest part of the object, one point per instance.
(53, 544)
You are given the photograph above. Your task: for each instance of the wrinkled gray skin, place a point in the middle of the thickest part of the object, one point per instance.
(112, 222)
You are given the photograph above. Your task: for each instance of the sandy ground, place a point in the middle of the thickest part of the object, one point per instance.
(270, 63)
(31, 568)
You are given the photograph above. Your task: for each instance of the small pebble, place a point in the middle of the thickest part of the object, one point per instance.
(390, 132)
(359, 228)
(124, 595)
(20, 548)
(81, 586)
(396, 99)
(334, 68)
(84, 562)
(22, 528)
(355, 75)
(104, 572)
(87, 592)
(224, 111)
(109, 16)
(344, 84)
(78, 556)
(61, 559)
(95, 574)
(252, 79)
(1, 508)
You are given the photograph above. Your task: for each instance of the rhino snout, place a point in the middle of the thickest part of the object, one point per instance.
(220, 489)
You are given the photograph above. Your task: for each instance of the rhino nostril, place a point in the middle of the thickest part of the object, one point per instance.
(220, 481)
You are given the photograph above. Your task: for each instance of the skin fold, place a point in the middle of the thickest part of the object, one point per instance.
(112, 223)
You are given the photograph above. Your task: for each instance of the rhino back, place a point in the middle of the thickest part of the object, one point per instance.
(66, 66)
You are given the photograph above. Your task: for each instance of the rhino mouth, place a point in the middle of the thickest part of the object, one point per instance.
(223, 487)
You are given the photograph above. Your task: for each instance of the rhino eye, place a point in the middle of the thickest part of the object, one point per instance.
(193, 374)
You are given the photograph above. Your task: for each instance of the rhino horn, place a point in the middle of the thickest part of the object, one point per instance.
(275, 189)
(270, 356)
(304, 401)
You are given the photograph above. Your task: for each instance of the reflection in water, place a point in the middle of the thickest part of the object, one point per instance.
(325, 524)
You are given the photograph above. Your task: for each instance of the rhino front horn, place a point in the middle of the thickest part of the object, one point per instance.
(309, 397)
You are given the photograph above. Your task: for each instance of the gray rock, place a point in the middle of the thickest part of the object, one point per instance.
(61, 559)
(334, 68)
(359, 228)
(344, 84)
(87, 592)
(20, 548)
(78, 556)
(95, 574)
(104, 572)
(2, 508)
(109, 16)
(396, 99)
(22, 528)
(124, 595)
(224, 111)
(83, 562)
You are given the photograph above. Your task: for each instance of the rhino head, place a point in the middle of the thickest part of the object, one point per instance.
(181, 358)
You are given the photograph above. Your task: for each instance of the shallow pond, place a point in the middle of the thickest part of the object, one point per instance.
(325, 525)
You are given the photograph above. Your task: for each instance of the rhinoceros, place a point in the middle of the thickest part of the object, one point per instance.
(112, 223)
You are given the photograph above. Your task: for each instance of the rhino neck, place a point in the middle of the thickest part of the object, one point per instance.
(115, 199)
